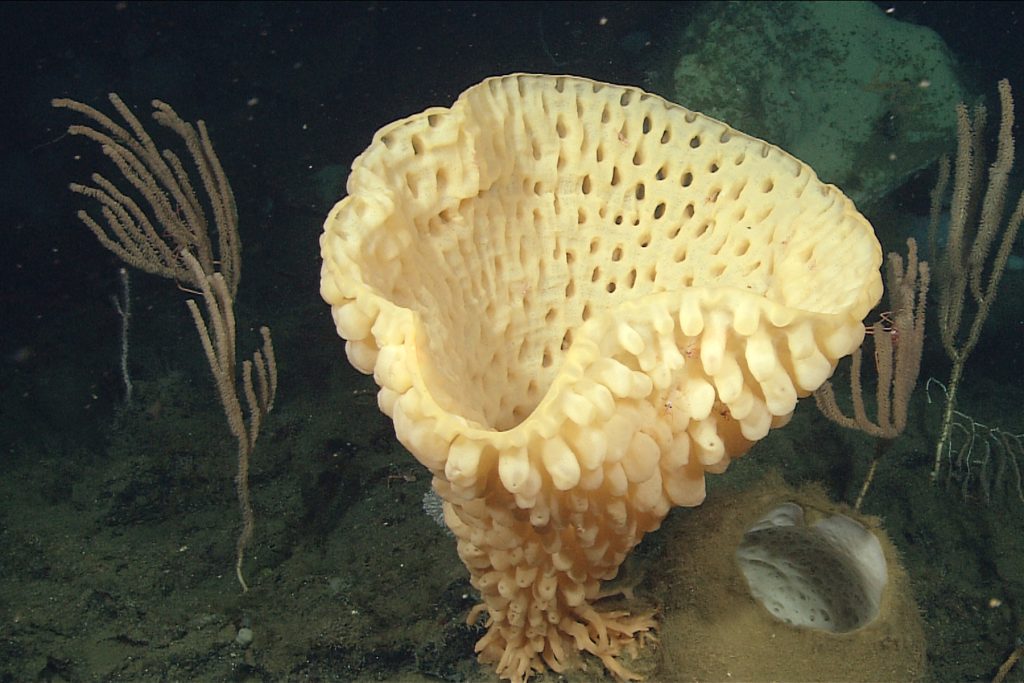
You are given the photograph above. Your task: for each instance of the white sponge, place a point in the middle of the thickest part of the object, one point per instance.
(828, 576)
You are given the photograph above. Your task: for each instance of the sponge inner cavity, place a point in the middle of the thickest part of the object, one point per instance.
(829, 576)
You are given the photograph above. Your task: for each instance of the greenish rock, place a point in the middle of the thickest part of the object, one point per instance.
(865, 99)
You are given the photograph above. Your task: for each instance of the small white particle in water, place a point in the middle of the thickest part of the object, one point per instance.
(244, 637)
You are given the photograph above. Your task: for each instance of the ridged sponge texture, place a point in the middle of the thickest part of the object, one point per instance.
(577, 298)
(551, 251)
(828, 576)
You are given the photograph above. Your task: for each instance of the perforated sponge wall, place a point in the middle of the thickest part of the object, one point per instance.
(827, 576)
(576, 299)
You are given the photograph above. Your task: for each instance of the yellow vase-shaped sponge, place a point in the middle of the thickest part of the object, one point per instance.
(577, 298)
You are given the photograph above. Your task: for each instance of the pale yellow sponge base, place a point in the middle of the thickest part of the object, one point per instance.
(577, 298)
